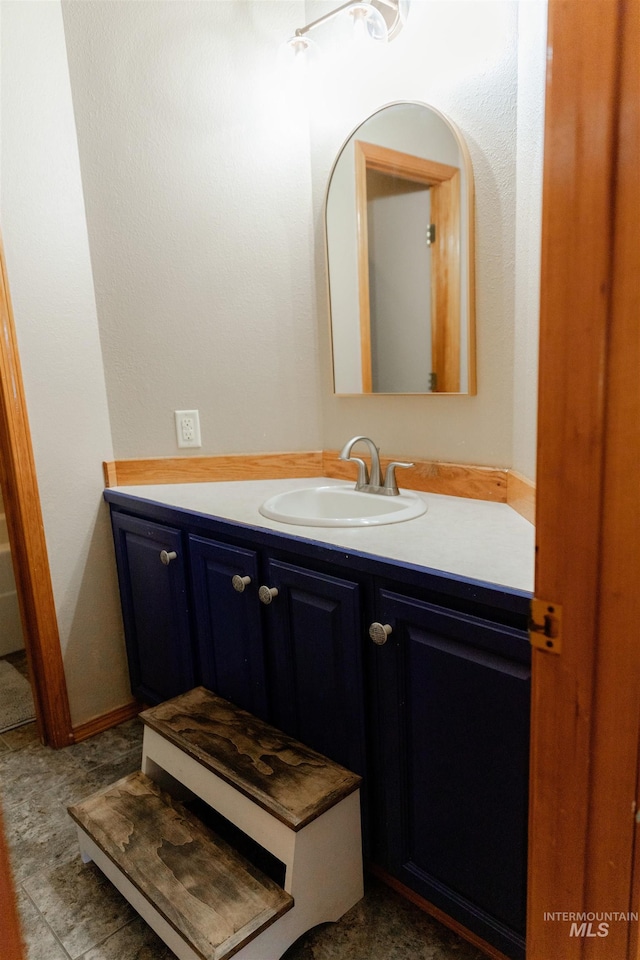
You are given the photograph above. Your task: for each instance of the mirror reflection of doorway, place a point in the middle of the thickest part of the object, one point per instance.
(398, 222)
(397, 181)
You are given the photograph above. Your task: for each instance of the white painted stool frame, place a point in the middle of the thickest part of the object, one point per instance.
(322, 860)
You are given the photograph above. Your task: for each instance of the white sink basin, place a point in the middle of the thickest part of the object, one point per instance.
(341, 506)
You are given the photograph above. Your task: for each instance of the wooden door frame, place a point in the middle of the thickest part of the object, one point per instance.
(27, 539)
(586, 696)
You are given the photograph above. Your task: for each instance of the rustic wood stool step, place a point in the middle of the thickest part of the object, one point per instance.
(290, 781)
(203, 899)
(301, 807)
(294, 803)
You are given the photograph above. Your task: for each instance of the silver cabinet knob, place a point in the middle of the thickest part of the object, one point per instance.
(379, 632)
(267, 594)
(239, 583)
(167, 556)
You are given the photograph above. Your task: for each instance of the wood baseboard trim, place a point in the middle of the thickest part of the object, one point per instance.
(436, 913)
(450, 479)
(107, 720)
(521, 495)
(258, 466)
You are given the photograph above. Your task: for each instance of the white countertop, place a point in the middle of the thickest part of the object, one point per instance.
(469, 538)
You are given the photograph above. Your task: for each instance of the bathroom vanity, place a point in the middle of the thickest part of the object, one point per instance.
(398, 651)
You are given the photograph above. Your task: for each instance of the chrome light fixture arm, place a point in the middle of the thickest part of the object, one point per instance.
(301, 31)
(391, 15)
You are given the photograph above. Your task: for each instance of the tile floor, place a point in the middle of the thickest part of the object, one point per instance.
(71, 912)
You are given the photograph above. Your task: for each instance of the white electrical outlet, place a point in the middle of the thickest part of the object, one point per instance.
(188, 428)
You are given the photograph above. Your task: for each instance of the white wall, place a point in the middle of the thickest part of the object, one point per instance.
(44, 230)
(531, 85)
(198, 193)
(206, 223)
(398, 212)
(460, 57)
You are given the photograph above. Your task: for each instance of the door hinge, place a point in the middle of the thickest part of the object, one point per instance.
(431, 234)
(545, 625)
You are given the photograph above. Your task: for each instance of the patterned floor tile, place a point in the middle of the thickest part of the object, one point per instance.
(70, 911)
(110, 745)
(20, 737)
(136, 941)
(40, 834)
(35, 772)
(80, 905)
(382, 926)
(39, 940)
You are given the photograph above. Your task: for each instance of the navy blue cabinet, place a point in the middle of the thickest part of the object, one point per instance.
(296, 662)
(315, 639)
(227, 623)
(451, 763)
(435, 717)
(153, 589)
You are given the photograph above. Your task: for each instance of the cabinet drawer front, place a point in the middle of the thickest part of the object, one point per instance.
(455, 796)
(228, 623)
(154, 607)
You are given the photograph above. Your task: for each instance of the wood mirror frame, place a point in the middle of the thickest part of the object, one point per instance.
(410, 145)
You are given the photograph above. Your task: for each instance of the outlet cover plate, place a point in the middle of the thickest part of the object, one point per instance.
(188, 428)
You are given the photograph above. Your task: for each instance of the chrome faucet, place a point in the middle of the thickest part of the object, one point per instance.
(372, 483)
(364, 481)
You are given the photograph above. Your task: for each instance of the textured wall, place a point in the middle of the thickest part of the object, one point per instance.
(198, 195)
(531, 82)
(47, 253)
(460, 57)
(204, 196)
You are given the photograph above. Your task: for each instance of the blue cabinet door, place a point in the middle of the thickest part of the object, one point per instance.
(228, 624)
(314, 642)
(154, 608)
(452, 730)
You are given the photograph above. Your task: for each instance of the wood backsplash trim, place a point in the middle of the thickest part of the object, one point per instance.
(258, 466)
(521, 495)
(451, 479)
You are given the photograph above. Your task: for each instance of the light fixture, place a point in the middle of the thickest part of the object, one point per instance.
(375, 19)
(367, 21)
(299, 50)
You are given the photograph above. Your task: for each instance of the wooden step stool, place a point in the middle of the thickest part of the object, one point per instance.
(200, 896)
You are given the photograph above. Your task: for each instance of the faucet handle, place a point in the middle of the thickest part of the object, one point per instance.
(390, 484)
(363, 472)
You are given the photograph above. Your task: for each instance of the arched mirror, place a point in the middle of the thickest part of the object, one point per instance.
(400, 255)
